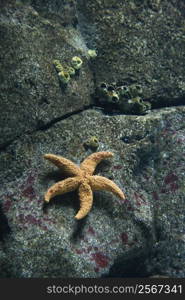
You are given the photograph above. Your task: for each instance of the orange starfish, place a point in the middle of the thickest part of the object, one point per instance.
(82, 179)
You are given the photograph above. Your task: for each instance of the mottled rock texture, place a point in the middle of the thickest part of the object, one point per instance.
(148, 166)
(31, 94)
(137, 42)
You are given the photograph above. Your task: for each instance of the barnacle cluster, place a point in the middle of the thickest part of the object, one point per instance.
(65, 71)
(91, 143)
(76, 62)
(91, 53)
(123, 98)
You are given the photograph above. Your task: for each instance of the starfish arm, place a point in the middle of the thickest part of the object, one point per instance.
(89, 164)
(103, 183)
(86, 200)
(65, 164)
(62, 187)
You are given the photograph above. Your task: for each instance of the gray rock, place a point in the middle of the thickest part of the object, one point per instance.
(136, 43)
(31, 92)
(51, 243)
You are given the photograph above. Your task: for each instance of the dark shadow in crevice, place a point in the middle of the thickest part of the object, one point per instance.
(43, 127)
(4, 226)
(156, 102)
(161, 102)
(130, 267)
(134, 263)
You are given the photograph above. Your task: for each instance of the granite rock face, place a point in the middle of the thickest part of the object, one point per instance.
(148, 166)
(136, 43)
(31, 93)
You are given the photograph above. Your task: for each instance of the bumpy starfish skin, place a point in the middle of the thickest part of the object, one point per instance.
(83, 180)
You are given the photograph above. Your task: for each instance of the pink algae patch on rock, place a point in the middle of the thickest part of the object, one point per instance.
(29, 219)
(124, 238)
(29, 181)
(27, 189)
(171, 183)
(91, 230)
(170, 178)
(100, 259)
(118, 167)
(96, 270)
(32, 220)
(79, 251)
(25, 221)
(29, 192)
(174, 186)
(89, 249)
(7, 205)
(83, 250)
(155, 195)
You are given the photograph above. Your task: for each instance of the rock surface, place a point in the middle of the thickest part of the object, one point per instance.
(138, 41)
(51, 243)
(31, 94)
(140, 237)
